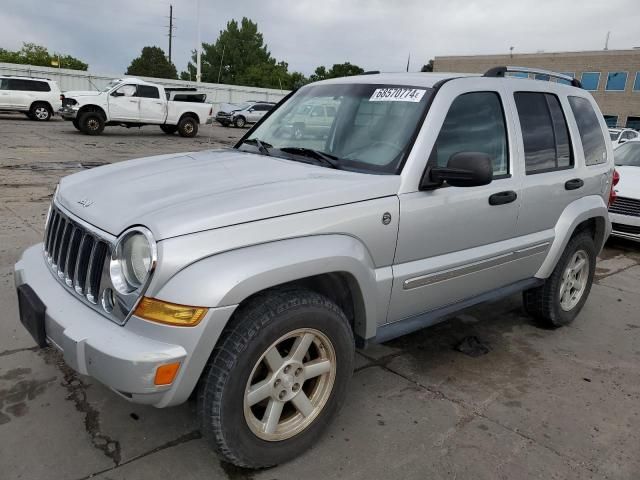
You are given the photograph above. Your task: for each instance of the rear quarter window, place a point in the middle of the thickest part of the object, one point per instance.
(595, 151)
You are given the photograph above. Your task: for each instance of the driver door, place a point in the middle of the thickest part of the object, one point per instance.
(124, 105)
(454, 242)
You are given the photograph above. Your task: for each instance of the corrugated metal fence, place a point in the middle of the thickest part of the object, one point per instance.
(78, 80)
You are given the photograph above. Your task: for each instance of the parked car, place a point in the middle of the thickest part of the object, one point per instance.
(620, 135)
(37, 98)
(625, 209)
(130, 102)
(243, 114)
(311, 119)
(251, 274)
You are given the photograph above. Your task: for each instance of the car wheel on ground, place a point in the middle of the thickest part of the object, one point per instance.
(286, 359)
(91, 123)
(40, 112)
(559, 300)
(240, 121)
(188, 127)
(169, 129)
(75, 123)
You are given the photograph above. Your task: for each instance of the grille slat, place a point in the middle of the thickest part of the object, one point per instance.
(64, 249)
(57, 241)
(626, 206)
(82, 265)
(96, 262)
(72, 256)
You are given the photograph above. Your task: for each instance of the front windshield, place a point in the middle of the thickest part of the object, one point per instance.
(362, 127)
(614, 135)
(110, 85)
(627, 154)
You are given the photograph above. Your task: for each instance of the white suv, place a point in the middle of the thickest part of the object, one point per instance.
(38, 98)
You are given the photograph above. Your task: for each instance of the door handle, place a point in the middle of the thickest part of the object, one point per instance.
(502, 198)
(573, 184)
(133, 101)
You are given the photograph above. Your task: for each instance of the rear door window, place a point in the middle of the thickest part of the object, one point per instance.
(545, 134)
(595, 151)
(147, 91)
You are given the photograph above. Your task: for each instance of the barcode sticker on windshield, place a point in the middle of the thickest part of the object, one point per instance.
(397, 95)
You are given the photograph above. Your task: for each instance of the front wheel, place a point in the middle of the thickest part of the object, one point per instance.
(276, 378)
(91, 123)
(240, 121)
(559, 300)
(75, 123)
(40, 112)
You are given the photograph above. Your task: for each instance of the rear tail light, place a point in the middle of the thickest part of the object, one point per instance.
(614, 181)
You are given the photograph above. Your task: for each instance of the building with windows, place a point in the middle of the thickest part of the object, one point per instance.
(612, 76)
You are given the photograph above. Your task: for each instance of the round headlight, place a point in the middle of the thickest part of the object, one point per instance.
(132, 260)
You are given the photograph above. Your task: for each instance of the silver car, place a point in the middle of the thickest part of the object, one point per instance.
(251, 274)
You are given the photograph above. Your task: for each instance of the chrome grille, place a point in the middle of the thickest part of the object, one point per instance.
(76, 255)
(626, 206)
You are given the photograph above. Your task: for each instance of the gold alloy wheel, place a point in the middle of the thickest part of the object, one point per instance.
(290, 384)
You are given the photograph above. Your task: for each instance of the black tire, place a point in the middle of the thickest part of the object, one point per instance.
(40, 112)
(240, 121)
(254, 328)
(188, 127)
(169, 129)
(543, 303)
(91, 123)
(76, 124)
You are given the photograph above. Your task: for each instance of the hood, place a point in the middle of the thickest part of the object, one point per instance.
(80, 93)
(629, 184)
(229, 107)
(175, 195)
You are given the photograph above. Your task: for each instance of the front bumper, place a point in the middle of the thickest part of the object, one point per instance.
(625, 226)
(68, 113)
(124, 358)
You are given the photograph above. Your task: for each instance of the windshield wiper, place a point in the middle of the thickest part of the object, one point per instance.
(263, 147)
(330, 161)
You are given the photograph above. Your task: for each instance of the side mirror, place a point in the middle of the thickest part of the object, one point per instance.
(117, 94)
(251, 110)
(464, 169)
(622, 140)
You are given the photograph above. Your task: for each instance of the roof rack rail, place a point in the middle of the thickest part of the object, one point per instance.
(501, 71)
(28, 77)
(371, 72)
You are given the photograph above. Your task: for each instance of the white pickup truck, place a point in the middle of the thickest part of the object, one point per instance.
(130, 102)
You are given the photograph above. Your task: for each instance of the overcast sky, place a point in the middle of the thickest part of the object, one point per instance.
(375, 34)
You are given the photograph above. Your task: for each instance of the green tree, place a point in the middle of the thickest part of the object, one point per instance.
(32, 54)
(428, 67)
(152, 62)
(345, 69)
(239, 56)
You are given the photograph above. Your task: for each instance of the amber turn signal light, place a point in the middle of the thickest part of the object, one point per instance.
(165, 374)
(169, 313)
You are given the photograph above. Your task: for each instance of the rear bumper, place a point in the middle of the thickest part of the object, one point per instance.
(625, 226)
(124, 358)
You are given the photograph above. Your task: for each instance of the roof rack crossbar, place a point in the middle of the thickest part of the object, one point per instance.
(501, 71)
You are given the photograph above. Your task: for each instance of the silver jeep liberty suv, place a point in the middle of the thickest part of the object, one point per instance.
(249, 275)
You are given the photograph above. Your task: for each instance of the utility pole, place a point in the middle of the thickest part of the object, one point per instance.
(606, 42)
(199, 46)
(170, 29)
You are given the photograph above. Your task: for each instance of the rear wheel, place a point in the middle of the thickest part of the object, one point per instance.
(91, 123)
(188, 127)
(240, 121)
(169, 129)
(276, 378)
(75, 123)
(559, 300)
(40, 112)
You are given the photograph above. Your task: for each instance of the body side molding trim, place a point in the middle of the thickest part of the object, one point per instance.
(474, 267)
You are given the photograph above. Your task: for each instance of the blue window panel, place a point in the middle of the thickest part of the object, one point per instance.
(568, 74)
(616, 81)
(612, 120)
(590, 80)
(542, 76)
(518, 74)
(636, 83)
